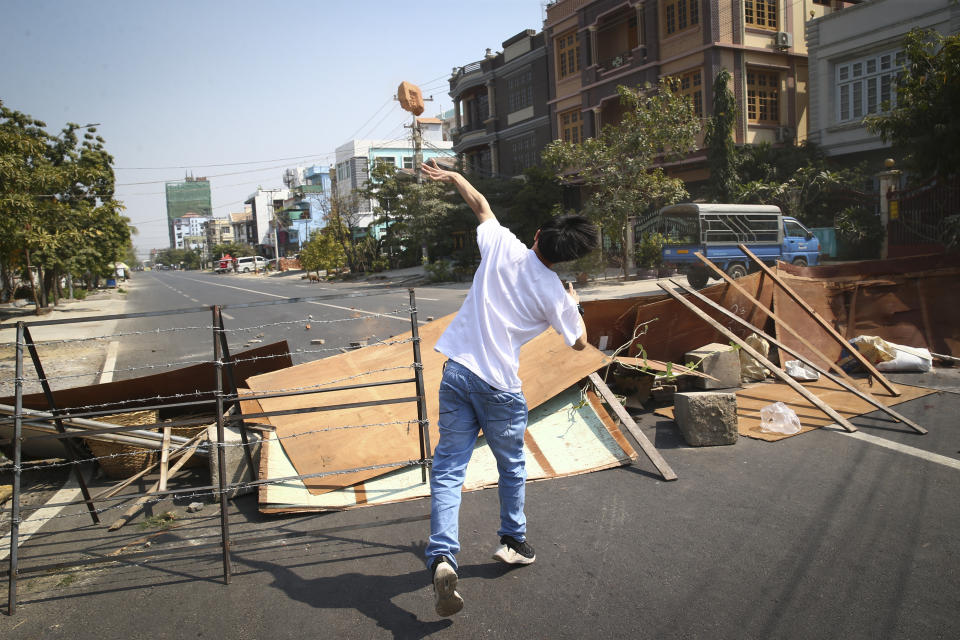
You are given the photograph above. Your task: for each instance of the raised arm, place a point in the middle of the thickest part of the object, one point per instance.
(581, 342)
(470, 195)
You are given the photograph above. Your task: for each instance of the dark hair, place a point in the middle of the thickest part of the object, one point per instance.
(567, 238)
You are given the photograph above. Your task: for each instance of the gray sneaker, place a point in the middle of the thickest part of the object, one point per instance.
(513, 552)
(448, 601)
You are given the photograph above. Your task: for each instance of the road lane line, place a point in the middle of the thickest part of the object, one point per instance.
(110, 363)
(30, 525)
(322, 304)
(902, 448)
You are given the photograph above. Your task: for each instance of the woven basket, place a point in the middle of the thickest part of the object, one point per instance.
(135, 458)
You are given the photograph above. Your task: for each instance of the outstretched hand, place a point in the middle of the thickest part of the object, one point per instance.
(434, 172)
(573, 294)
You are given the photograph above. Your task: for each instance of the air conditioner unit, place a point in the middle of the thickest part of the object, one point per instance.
(784, 39)
(784, 134)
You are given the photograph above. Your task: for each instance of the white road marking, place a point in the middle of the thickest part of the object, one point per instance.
(110, 363)
(322, 304)
(30, 525)
(902, 448)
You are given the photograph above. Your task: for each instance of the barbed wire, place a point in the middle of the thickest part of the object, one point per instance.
(183, 363)
(308, 320)
(216, 492)
(205, 444)
(212, 393)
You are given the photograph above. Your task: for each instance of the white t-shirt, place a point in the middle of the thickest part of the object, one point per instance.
(513, 299)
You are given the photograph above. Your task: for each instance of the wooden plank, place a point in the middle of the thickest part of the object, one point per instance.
(823, 323)
(661, 367)
(851, 388)
(115, 489)
(164, 458)
(129, 513)
(754, 397)
(760, 306)
(387, 433)
(645, 445)
(777, 371)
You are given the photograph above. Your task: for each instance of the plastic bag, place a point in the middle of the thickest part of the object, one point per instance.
(779, 418)
(750, 367)
(799, 371)
(873, 348)
(907, 359)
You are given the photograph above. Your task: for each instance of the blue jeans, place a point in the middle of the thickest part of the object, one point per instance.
(467, 406)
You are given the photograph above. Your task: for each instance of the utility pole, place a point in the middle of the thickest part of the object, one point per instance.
(276, 224)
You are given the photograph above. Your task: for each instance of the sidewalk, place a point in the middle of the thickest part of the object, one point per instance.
(77, 358)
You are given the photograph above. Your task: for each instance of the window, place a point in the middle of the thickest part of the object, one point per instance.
(763, 96)
(408, 162)
(382, 160)
(568, 55)
(794, 229)
(761, 14)
(524, 151)
(867, 86)
(519, 91)
(571, 126)
(679, 15)
(691, 85)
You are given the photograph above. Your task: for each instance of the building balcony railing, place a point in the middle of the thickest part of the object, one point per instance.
(473, 67)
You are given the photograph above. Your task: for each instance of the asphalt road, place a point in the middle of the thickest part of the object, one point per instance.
(825, 535)
(377, 313)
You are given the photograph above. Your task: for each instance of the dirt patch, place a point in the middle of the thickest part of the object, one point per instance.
(66, 364)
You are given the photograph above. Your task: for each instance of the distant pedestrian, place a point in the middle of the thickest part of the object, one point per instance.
(514, 298)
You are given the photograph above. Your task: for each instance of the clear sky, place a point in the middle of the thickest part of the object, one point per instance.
(176, 85)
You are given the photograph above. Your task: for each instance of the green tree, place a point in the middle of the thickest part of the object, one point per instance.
(233, 249)
(721, 151)
(620, 168)
(925, 123)
(411, 213)
(322, 253)
(57, 210)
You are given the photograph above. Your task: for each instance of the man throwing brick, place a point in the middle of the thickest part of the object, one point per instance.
(514, 297)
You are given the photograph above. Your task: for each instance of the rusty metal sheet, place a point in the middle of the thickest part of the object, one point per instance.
(908, 301)
(676, 330)
(188, 380)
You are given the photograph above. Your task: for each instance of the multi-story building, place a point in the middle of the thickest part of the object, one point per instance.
(307, 205)
(189, 196)
(855, 57)
(264, 205)
(596, 45)
(219, 231)
(356, 158)
(241, 227)
(186, 229)
(501, 110)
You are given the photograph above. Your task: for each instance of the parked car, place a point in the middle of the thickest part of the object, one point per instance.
(715, 230)
(250, 263)
(224, 265)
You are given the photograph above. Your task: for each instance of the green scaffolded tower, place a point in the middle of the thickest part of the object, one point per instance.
(191, 195)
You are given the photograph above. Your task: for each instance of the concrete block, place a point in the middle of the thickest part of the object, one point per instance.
(706, 418)
(235, 460)
(718, 360)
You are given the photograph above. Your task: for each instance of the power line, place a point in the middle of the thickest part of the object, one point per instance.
(222, 164)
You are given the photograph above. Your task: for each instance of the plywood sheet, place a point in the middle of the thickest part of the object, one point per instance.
(909, 301)
(754, 397)
(563, 438)
(382, 434)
